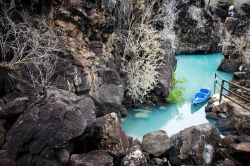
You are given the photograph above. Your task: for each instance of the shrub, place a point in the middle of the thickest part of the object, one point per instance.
(28, 41)
(146, 44)
(235, 44)
(229, 2)
(176, 91)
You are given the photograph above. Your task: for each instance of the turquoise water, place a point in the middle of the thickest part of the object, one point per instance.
(199, 71)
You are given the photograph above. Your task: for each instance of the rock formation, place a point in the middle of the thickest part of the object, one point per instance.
(197, 28)
(61, 106)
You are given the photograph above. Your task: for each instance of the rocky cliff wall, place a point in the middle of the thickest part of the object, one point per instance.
(197, 27)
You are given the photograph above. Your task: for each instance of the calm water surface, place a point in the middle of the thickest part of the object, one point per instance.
(199, 71)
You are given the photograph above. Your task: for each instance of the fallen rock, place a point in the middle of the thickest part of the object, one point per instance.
(93, 158)
(156, 143)
(50, 122)
(194, 145)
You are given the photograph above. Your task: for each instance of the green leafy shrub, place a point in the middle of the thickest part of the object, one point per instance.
(229, 2)
(176, 91)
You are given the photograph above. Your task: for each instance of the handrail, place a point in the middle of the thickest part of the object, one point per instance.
(222, 88)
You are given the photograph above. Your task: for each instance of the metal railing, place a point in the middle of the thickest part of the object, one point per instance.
(218, 80)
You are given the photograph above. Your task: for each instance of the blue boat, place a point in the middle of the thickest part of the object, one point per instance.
(201, 96)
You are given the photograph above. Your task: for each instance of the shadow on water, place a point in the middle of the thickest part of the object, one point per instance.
(197, 107)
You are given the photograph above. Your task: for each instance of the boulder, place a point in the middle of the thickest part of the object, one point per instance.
(134, 157)
(109, 93)
(194, 145)
(110, 136)
(156, 143)
(229, 65)
(52, 119)
(93, 158)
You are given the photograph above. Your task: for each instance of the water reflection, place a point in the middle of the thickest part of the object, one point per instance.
(197, 107)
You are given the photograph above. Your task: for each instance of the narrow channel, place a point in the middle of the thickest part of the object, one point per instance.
(199, 71)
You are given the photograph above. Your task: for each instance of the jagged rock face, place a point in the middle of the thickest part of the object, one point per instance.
(93, 158)
(49, 122)
(231, 118)
(237, 148)
(236, 50)
(194, 145)
(237, 122)
(86, 26)
(233, 60)
(156, 143)
(197, 30)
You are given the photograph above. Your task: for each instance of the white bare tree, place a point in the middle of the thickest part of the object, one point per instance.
(144, 44)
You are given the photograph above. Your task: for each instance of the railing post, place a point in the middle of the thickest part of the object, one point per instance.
(215, 81)
(221, 90)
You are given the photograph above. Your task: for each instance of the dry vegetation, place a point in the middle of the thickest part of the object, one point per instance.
(27, 40)
(237, 45)
(150, 40)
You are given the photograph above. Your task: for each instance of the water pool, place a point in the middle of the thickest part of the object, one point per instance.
(199, 71)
